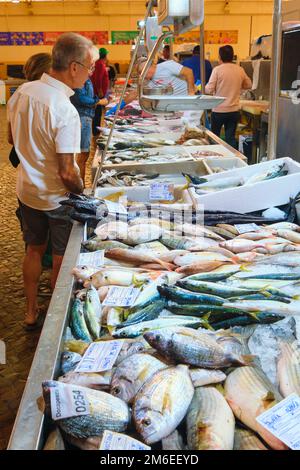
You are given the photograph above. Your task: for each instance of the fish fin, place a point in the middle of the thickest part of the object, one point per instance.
(296, 297)
(248, 359)
(243, 267)
(187, 177)
(115, 196)
(264, 292)
(136, 282)
(254, 315)
(205, 319)
(111, 329)
(269, 396)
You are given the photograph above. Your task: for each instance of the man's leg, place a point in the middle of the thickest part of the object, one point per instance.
(81, 159)
(56, 264)
(32, 268)
(216, 123)
(230, 128)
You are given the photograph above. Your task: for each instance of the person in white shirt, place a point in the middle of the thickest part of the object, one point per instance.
(44, 127)
(169, 73)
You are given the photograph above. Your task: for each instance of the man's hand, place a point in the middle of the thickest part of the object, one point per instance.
(103, 102)
(188, 76)
(68, 170)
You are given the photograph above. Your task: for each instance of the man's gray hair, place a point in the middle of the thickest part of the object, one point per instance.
(70, 47)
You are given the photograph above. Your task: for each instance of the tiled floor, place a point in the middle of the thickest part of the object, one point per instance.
(20, 345)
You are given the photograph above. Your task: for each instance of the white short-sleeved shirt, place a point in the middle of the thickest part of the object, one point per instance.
(167, 73)
(44, 123)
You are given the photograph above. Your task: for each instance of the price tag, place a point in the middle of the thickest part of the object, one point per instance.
(161, 192)
(116, 441)
(94, 259)
(283, 421)
(121, 296)
(115, 207)
(100, 356)
(245, 228)
(68, 400)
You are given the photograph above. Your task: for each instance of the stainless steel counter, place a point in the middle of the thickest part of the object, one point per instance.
(28, 431)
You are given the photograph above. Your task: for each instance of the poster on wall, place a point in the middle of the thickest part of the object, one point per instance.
(5, 39)
(98, 37)
(210, 37)
(50, 37)
(26, 38)
(123, 37)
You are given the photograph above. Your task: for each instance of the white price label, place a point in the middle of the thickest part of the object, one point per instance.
(283, 421)
(161, 192)
(245, 228)
(115, 207)
(67, 400)
(100, 356)
(121, 296)
(94, 259)
(116, 441)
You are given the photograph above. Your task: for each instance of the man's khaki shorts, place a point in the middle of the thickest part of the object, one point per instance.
(37, 225)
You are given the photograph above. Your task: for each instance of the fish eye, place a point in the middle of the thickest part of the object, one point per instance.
(91, 278)
(146, 421)
(140, 348)
(116, 391)
(157, 337)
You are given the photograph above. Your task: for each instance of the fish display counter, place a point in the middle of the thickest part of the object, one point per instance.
(152, 314)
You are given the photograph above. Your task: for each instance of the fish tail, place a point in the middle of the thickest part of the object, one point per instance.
(187, 177)
(296, 297)
(265, 292)
(205, 319)
(137, 282)
(244, 266)
(247, 360)
(220, 388)
(164, 264)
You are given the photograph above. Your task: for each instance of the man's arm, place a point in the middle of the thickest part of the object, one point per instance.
(210, 88)
(246, 83)
(188, 75)
(9, 135)
(68, 170)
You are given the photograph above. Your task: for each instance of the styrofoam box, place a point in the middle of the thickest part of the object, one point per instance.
(142, 194)
(257, 196)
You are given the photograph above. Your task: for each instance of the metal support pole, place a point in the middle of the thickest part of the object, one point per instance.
(149, 7)
(202, 69)
(275, 79)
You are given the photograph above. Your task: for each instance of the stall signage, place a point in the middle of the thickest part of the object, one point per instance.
(283, 421)
(100, 356)
(123, 37)
(121, 296)
(245, 228)
(161, 192)
(95, 259)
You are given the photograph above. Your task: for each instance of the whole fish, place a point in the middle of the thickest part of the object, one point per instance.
(198, 231)
(259, 235)
(249, 256)
(202, 377)
(130, 347)
(230, 228)
(270, 306)
(106, 413)
(184, 296)
(136, 257)
(77, 322)
(114, 230)
(273, 172)
(284, 259)
(176, 242)
(210, 421)
(99, 244)
(171, 255)
(161, 322)
(95, 380)
(219, 184)
(201, 266)
(239, 245)
(142, 233)
(288, 369)
(164, 224)
(173, 442)
(116, 277)
(289, 235)
(244, 319)
(132, 373)
(221, 290)
(93, 312)
(148, 313)
(69, 361)
(285, 226)
(249, 393)
(195, 348)
(162, 403)
(212, 313)
(244, 439)
(195, 257)
(218, 274)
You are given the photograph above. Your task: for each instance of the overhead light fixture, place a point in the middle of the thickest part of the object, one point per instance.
(15, 1)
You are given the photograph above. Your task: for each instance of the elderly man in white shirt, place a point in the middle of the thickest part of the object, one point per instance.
(44, 127)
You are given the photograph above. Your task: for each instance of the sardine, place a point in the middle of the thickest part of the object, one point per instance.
(288, 369)
(249, 393)
(210, 421)
(192, 347)
(162, 403)
(132, 373)
(106, 412)
(244, 439)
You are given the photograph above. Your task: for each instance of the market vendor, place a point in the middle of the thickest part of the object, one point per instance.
(169, 73)
(100, 81)
(44, 127)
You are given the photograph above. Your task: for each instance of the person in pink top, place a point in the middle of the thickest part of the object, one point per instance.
(228, 80)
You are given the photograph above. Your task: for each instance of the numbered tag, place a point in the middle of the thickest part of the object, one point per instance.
(161, 192)
(67, 400)
(245, 228)
(100, 356)
(121, 296)
(283, 421)
(94, 259)
(115, 207)
(116, 441)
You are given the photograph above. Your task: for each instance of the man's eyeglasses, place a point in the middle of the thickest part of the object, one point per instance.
(89, 69)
